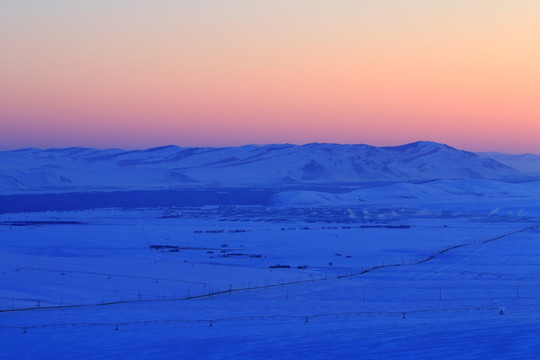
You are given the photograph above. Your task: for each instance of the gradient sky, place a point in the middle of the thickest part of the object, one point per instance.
(136, 74)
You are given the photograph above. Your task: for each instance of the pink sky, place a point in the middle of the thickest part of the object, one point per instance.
(132, 75)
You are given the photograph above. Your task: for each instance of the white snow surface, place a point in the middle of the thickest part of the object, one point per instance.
(440, 279)
(420, 251)
(434, 192)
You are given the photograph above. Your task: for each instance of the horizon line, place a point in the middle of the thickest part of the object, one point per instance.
(258, 145)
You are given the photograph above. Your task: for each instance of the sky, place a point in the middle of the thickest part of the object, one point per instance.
(136, 74)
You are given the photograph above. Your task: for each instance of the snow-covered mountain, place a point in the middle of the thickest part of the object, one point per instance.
(526, 163)
(171, 166)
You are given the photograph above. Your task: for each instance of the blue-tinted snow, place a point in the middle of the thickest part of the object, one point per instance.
(273, 252)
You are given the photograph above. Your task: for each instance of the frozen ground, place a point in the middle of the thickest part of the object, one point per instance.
(419, 278)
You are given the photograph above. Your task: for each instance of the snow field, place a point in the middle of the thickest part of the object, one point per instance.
(405, 307)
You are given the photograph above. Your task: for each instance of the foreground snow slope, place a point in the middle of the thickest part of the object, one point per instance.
(35, 170)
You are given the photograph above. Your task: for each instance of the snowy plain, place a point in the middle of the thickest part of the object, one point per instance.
(441, 268)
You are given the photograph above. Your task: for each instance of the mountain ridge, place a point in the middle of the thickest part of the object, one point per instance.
(259, 165)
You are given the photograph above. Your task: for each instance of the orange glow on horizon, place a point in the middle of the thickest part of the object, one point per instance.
(234, 72)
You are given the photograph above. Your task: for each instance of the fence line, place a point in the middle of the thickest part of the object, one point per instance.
(143, 277)
(211, 321)
(212, 293)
